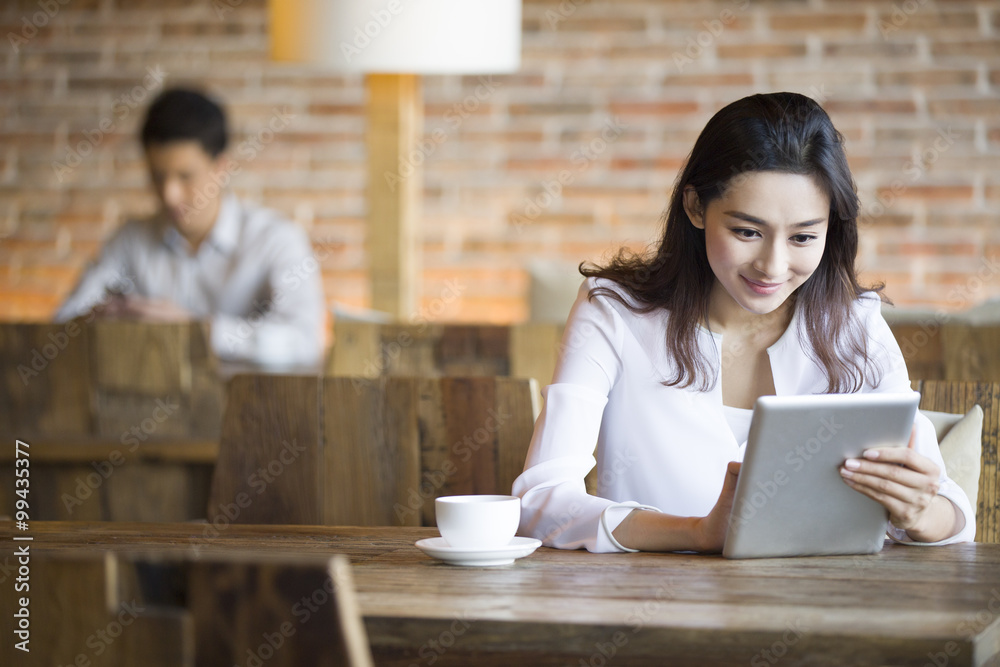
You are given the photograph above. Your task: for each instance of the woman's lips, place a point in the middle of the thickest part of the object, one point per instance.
(762, 288)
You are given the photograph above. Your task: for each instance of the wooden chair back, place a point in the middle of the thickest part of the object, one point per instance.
(959, 397)
(93, 400)
(192, 610)
(357, 451)
(940, 348)
(370, 350)
(78, 617)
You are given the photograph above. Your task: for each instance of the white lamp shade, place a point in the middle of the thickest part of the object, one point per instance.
(399, 36)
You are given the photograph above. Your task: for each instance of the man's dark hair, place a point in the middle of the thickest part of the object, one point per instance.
(183, 114)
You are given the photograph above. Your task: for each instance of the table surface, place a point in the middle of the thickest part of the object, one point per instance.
(903, 606)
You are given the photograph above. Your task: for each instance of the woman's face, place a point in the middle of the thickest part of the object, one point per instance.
(764, 237)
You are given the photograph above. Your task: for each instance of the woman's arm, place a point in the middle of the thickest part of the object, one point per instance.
(652, 531)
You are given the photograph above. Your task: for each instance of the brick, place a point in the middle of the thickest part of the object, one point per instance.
(709, 80)
(654, 108)
(971, 48)
(848, 50)
(550, 109)
(924, 20)
(603, 24)
(915, 249)
(212, 29)
(764, 50)
(960, 219)
(929, 192)
(983, 106)
(926, 78)
(647, 164)
(879, 106)
(817, 22)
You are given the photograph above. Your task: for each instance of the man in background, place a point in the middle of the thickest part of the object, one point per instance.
(207, 255)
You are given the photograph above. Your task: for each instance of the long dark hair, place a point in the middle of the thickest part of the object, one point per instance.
(782, 132)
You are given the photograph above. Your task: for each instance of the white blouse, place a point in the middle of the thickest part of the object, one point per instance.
(661, 446)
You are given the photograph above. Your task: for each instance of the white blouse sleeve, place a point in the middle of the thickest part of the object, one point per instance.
(555, 505)
(885, 350)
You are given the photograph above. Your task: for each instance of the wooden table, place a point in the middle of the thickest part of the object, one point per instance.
(904, 606)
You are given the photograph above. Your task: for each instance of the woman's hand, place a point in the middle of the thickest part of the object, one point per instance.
(653, 531)
(905, 482)
(711, 530)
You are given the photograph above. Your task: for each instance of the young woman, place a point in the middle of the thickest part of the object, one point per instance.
(752, 291)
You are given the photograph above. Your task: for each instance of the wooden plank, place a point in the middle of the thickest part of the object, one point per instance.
(140, 357)
(158, 638)
(471, 428)
(436, 466)
(130, 415)
(67, 492)
(672, 608)
(534, 350)
(922, 348)
(158, 492)
(515, 419)
(69, 605)
(410, 350)
(371, 450)
(44, 386)
(77, 450)
(357, 349)
(285, 614)
(394, 113)
(971, 352)
(473, 350)
(269, 453)
(959, 397)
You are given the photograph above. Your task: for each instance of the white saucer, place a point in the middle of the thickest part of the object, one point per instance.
(437, 547)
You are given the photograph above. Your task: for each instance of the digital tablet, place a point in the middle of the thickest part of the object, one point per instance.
(790, 498)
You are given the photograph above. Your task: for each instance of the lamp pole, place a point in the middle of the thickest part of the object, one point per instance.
(395, 188)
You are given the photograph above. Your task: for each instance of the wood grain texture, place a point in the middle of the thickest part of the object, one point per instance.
(534, 349)
(137, 357)
(473, 350)
(45, 382)
(388, 446)
(922, 347)
(959, 397)
(514, 402)
(371, 443)
(971, 352)
(269, 452)
(897, 607)
(357, 349)
(285, 613)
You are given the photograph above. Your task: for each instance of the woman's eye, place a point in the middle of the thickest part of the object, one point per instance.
(746, 233)
(803, 238)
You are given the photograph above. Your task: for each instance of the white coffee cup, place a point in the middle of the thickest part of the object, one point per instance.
(478, 522)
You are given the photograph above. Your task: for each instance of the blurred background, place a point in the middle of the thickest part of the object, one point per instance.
(610, 94)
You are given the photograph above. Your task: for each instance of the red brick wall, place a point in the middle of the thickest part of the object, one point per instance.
(913, 85)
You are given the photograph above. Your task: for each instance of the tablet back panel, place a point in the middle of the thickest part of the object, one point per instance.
(790, 498)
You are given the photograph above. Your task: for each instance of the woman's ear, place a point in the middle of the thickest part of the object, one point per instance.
(693, 208)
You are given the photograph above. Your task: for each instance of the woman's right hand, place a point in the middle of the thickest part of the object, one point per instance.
(711, 529)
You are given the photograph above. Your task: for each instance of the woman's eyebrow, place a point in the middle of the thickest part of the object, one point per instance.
(757, 221)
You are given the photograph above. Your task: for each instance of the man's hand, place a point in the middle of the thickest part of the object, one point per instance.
(132, 307)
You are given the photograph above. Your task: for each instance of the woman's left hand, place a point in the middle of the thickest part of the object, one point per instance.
(903, 481)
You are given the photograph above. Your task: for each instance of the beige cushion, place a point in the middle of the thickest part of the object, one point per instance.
(961, 447)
